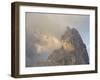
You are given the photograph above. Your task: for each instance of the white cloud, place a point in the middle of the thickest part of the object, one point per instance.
(47, 43)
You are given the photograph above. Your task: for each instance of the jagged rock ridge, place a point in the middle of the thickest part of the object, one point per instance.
(73, 50)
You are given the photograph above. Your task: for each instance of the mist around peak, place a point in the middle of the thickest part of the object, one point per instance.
(44, 49)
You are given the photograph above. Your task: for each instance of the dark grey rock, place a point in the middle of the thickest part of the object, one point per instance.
(78, 55)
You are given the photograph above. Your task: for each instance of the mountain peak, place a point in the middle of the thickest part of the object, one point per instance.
(73, 49)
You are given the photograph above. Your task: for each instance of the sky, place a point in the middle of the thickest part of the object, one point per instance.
(56, 24)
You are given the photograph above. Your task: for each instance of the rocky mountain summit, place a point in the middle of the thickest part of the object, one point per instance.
(73, 50)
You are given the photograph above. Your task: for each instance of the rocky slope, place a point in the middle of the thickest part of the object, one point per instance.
(73, 50)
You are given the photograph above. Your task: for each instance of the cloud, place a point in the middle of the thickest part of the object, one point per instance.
(47, 43)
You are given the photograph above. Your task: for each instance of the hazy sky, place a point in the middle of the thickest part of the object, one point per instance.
(56, 24)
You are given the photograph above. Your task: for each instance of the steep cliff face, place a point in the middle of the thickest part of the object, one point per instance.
(73, 50)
